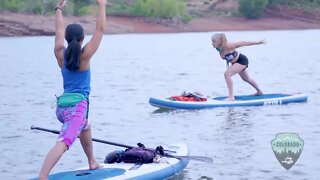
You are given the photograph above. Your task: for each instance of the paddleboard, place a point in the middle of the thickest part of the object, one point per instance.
(243, 100)
(167, 167)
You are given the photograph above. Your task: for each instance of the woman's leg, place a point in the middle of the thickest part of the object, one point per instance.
(245, 77)
(234, 69)
(52, 158)
(86, 142)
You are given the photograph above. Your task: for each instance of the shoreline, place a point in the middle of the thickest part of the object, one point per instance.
(12, 24)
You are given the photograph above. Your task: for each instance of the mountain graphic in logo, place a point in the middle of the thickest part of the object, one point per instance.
(287, 148)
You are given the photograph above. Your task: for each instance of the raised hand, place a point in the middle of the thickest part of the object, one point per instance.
(104, 2)
(62, 3)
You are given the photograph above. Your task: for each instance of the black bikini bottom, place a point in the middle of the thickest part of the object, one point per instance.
(243, 60)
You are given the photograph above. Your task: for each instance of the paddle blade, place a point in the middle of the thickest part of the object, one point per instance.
(197, 158)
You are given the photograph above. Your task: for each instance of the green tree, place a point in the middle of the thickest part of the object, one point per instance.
(33, 6)
(166, 9)
(11, 5)
(82, 7)
(252, 9)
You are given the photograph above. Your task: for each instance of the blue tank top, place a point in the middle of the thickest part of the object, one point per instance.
(76, 81)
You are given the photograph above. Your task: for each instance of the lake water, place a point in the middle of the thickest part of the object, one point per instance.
(129, 69)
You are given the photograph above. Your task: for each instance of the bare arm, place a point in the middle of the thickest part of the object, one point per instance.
(244, 43)
(59, 39)
(91, 47)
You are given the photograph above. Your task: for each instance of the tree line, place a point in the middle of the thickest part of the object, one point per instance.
(159, 9)
(46, 7)
(165, 9)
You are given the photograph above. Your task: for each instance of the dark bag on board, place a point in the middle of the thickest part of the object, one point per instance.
(140, 155)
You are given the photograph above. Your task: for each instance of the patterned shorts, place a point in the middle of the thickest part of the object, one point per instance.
(74, 121)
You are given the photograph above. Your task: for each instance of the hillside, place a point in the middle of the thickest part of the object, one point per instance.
(208, 15)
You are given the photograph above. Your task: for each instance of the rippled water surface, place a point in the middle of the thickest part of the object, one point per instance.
(129, 69)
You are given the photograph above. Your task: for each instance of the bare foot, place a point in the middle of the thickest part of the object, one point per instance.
(258, 93)
(94, 165)
(229, 98)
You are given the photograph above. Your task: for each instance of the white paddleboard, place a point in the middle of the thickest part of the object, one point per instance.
(165, 168)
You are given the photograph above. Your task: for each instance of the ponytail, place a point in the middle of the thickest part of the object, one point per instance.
(74, 35)
(72, 55)
(223, 40)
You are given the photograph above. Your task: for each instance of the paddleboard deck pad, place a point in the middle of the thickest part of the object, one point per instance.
(242, 100)
(167, 167)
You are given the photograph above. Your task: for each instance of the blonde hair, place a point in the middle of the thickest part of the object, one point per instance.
(222, 38)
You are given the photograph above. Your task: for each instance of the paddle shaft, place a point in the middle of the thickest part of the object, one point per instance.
(93, 139)
(199, 158)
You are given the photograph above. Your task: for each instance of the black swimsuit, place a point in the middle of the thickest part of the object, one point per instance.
(230, 56)
(243, 60)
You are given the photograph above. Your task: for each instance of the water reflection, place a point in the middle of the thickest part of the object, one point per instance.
(181, 176)
(205, 178)
(236, 142)
(162, 110)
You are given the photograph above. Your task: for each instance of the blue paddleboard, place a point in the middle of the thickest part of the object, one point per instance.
(243, 100)
(87, 174)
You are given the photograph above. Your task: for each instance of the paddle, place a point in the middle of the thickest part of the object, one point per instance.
(198, 158)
